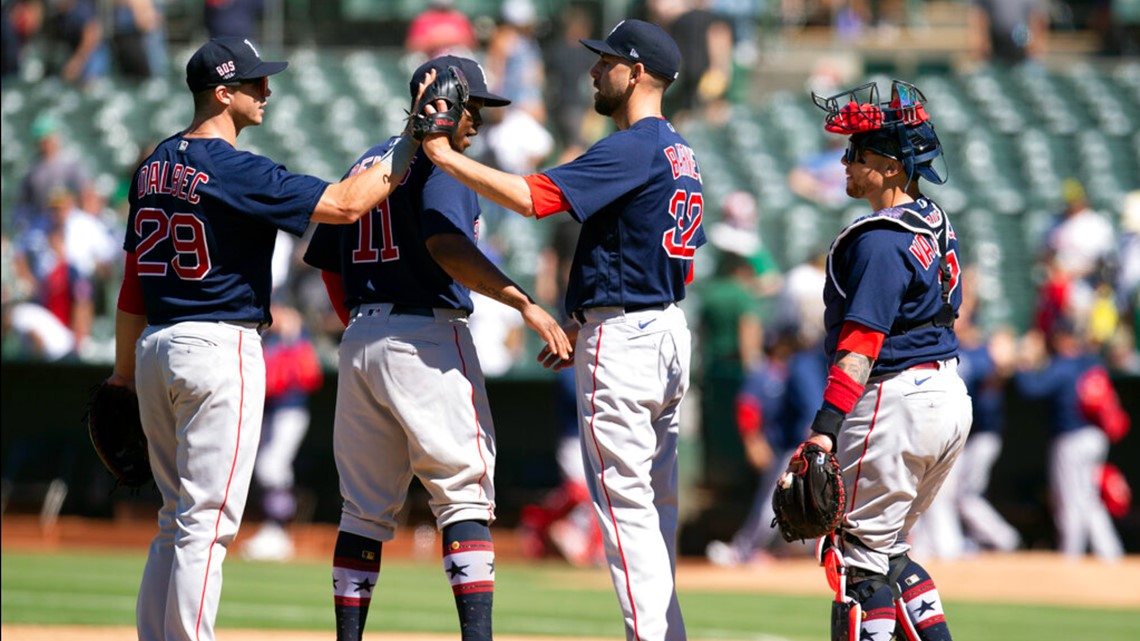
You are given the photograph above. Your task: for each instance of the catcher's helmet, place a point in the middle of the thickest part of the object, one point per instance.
(899, 129)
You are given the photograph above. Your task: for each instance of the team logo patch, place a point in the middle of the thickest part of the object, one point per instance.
(911, 580)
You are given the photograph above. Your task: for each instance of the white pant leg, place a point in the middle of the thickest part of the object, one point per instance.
(411, 399)
(201, 395)
(632, 373)
(983, 523)
(896, 447)
(1080, 515)
(281, 438)
(937, 534)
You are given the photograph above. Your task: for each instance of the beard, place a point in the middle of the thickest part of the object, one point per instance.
(605, 104)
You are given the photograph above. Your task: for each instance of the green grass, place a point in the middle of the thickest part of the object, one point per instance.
(530, 599)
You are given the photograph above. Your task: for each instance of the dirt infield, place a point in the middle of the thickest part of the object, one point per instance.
(1025, 577)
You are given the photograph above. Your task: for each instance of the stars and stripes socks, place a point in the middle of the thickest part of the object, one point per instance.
(356, 568)
(878, 612)
(469, 561)
(920, 607)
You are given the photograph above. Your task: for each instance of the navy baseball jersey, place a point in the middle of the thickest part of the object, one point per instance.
(382, 257)
(1056, 386)
(203, 222)
(807, 378)
(635, 189)
(895, 258)
(976, 368)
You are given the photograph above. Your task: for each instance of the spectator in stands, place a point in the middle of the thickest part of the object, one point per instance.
(293, 373)
(55, 274)
(516, 134)
(234, 18)
(769, 434)
(816, 177)
(53, 168)
(730, 339)
(441, 29)
(1121, 351)
(1080, 238)
(706, 43)
(569, 90)
(138, 39)
(11, 44)
(78, 48)
(1078, 250)
(1009, 31)
(1051, 369)
(738, 232)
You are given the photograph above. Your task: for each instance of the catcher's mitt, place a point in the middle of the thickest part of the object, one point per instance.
(116, 432)
(811, 502)
(451, 87)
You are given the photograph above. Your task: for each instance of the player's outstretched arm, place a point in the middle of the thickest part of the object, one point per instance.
(464, 262)
(345, 202)
(509, 190)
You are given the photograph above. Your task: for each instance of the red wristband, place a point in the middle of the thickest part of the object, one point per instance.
(842, 391)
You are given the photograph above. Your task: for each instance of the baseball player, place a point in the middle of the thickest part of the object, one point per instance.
(895, 411)
(637, 193)
(411, 397)
(195, 295)
(1055, 370)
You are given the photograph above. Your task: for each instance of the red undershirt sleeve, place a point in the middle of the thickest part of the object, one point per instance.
(334, 285)
(130, 293)
(545, 195)
(860, 339)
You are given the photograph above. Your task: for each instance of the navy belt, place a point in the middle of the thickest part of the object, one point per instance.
(412, 310)
(580, 313)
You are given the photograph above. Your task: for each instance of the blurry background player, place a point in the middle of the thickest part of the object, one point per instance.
(292, 374)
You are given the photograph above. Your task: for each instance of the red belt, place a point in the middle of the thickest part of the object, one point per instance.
(930, 365)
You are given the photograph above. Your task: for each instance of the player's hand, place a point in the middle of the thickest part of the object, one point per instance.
(435, 144)
(796, 465)
(543, 324)
(551, 360)
(429, 78)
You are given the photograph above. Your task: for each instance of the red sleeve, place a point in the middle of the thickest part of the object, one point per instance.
(546, 196)
(749, 417)
(860, 339)
(130, 293)
(692, 270)
(334, 285)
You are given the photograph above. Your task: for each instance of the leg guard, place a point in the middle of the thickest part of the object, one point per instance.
(846, 612)
(918, 605)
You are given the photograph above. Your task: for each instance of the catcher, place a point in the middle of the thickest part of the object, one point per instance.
(895, 412)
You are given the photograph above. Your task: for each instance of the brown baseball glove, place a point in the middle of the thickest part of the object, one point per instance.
(810, 502)
(115, 429)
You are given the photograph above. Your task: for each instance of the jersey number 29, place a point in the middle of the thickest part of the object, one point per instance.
(188, 236)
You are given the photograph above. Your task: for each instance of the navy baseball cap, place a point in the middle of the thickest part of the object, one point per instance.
(472, 71)
(227, 60)
(644, 42)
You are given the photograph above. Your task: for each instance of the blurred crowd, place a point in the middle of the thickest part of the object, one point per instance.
(759, 322)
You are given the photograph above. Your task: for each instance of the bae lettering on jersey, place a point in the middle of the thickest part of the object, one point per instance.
(683, 162)
(171, 179)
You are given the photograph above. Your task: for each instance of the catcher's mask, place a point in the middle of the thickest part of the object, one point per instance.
(899, 128)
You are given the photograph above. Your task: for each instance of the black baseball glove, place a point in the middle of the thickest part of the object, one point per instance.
(115, 429)
(811, 502)
(449, 86)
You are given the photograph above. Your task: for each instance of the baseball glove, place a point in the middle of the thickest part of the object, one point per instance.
(451, 87)
(115, 429)
(811, 502)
